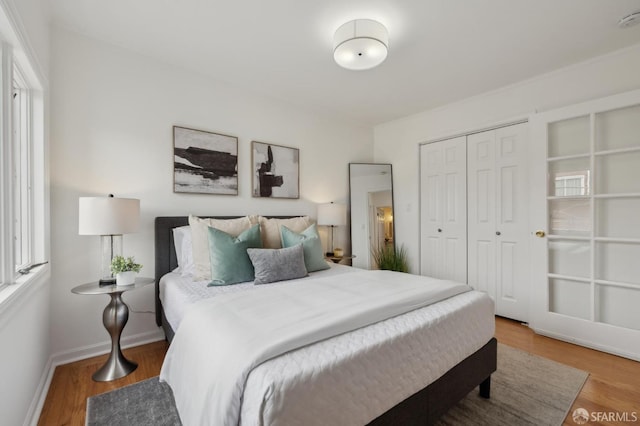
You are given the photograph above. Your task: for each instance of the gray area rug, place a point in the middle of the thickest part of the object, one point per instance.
(146, 403)
(526, 390)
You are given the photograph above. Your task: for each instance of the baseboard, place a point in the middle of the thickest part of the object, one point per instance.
(33, 415)
(105, 347)
(586, 344)
(35, 408)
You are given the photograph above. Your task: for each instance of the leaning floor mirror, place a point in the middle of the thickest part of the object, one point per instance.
(371, 204)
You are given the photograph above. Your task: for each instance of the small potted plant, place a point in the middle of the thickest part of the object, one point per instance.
(125, 270)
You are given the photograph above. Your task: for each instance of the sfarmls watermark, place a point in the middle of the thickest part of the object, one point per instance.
(582, 416)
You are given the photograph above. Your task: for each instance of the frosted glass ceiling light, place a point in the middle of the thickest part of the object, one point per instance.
(360, 44)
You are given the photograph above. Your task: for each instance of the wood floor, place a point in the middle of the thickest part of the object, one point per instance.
(613, 384)
(71, 384)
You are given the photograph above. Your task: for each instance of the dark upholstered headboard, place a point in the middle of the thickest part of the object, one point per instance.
(165, 253)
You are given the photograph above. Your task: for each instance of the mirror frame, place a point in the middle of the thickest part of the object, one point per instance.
(392, 203)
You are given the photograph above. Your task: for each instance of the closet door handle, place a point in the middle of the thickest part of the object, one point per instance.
(439, 230)
(498, 233)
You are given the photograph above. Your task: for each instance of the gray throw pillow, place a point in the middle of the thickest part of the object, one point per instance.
(272, 265)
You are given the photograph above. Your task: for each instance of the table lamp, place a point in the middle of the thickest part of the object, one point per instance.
(109, 217)
(332, 215)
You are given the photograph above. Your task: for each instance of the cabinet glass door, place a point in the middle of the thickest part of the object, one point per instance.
(570, 205)
(616, 233)
(593, 196)
(587, 266)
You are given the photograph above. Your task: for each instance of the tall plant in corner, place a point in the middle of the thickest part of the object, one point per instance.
(391, 258)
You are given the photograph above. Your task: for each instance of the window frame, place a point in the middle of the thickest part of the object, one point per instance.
(16, 70)
(23, 166)
(7, 274)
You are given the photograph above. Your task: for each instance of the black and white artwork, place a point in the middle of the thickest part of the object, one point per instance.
(276, 170)
(204, 162)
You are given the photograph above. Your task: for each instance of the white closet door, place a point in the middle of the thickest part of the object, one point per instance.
(512, 222)
(443, 209)
(482, 211)
(498, 218)
(431, 165)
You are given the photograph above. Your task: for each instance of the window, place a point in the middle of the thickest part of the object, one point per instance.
(572, 184)
(21, 173)
(23, 204)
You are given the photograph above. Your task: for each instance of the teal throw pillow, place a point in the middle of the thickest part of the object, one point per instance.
(311, 246)
(230, 263)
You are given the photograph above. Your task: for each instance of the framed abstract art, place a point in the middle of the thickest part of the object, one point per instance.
(204, 162)
(276, 171)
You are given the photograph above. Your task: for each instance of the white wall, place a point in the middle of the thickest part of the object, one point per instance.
(397, 142)
(112, 118)
(24, 333)
(24, 320)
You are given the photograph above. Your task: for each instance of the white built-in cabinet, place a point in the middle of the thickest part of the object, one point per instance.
(474, 215)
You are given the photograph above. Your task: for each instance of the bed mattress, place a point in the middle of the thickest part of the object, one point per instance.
(177, 292)
(354, 377)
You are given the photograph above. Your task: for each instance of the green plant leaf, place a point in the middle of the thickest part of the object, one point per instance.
(122, 264)
(391, 258)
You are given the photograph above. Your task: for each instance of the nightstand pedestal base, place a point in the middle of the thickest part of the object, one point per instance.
(116, 367)
(114, 318)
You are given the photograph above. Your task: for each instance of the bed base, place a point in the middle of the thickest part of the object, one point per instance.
(168, 331)
(422, 408)
(427, 405)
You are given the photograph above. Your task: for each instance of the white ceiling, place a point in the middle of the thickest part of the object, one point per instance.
(440, 50)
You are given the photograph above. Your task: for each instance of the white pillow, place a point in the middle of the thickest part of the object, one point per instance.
(178, 236)
(200, 240)
(270, 229)
(184, 250)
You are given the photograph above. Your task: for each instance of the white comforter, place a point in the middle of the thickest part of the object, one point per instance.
(222, 339)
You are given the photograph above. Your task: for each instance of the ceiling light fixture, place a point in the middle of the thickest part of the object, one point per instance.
(360, 44)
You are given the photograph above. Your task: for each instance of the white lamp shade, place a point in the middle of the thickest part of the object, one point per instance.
(332, 214)
(360, 44)
(108, 215)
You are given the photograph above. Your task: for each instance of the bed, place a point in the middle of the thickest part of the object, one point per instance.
(423, 406)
